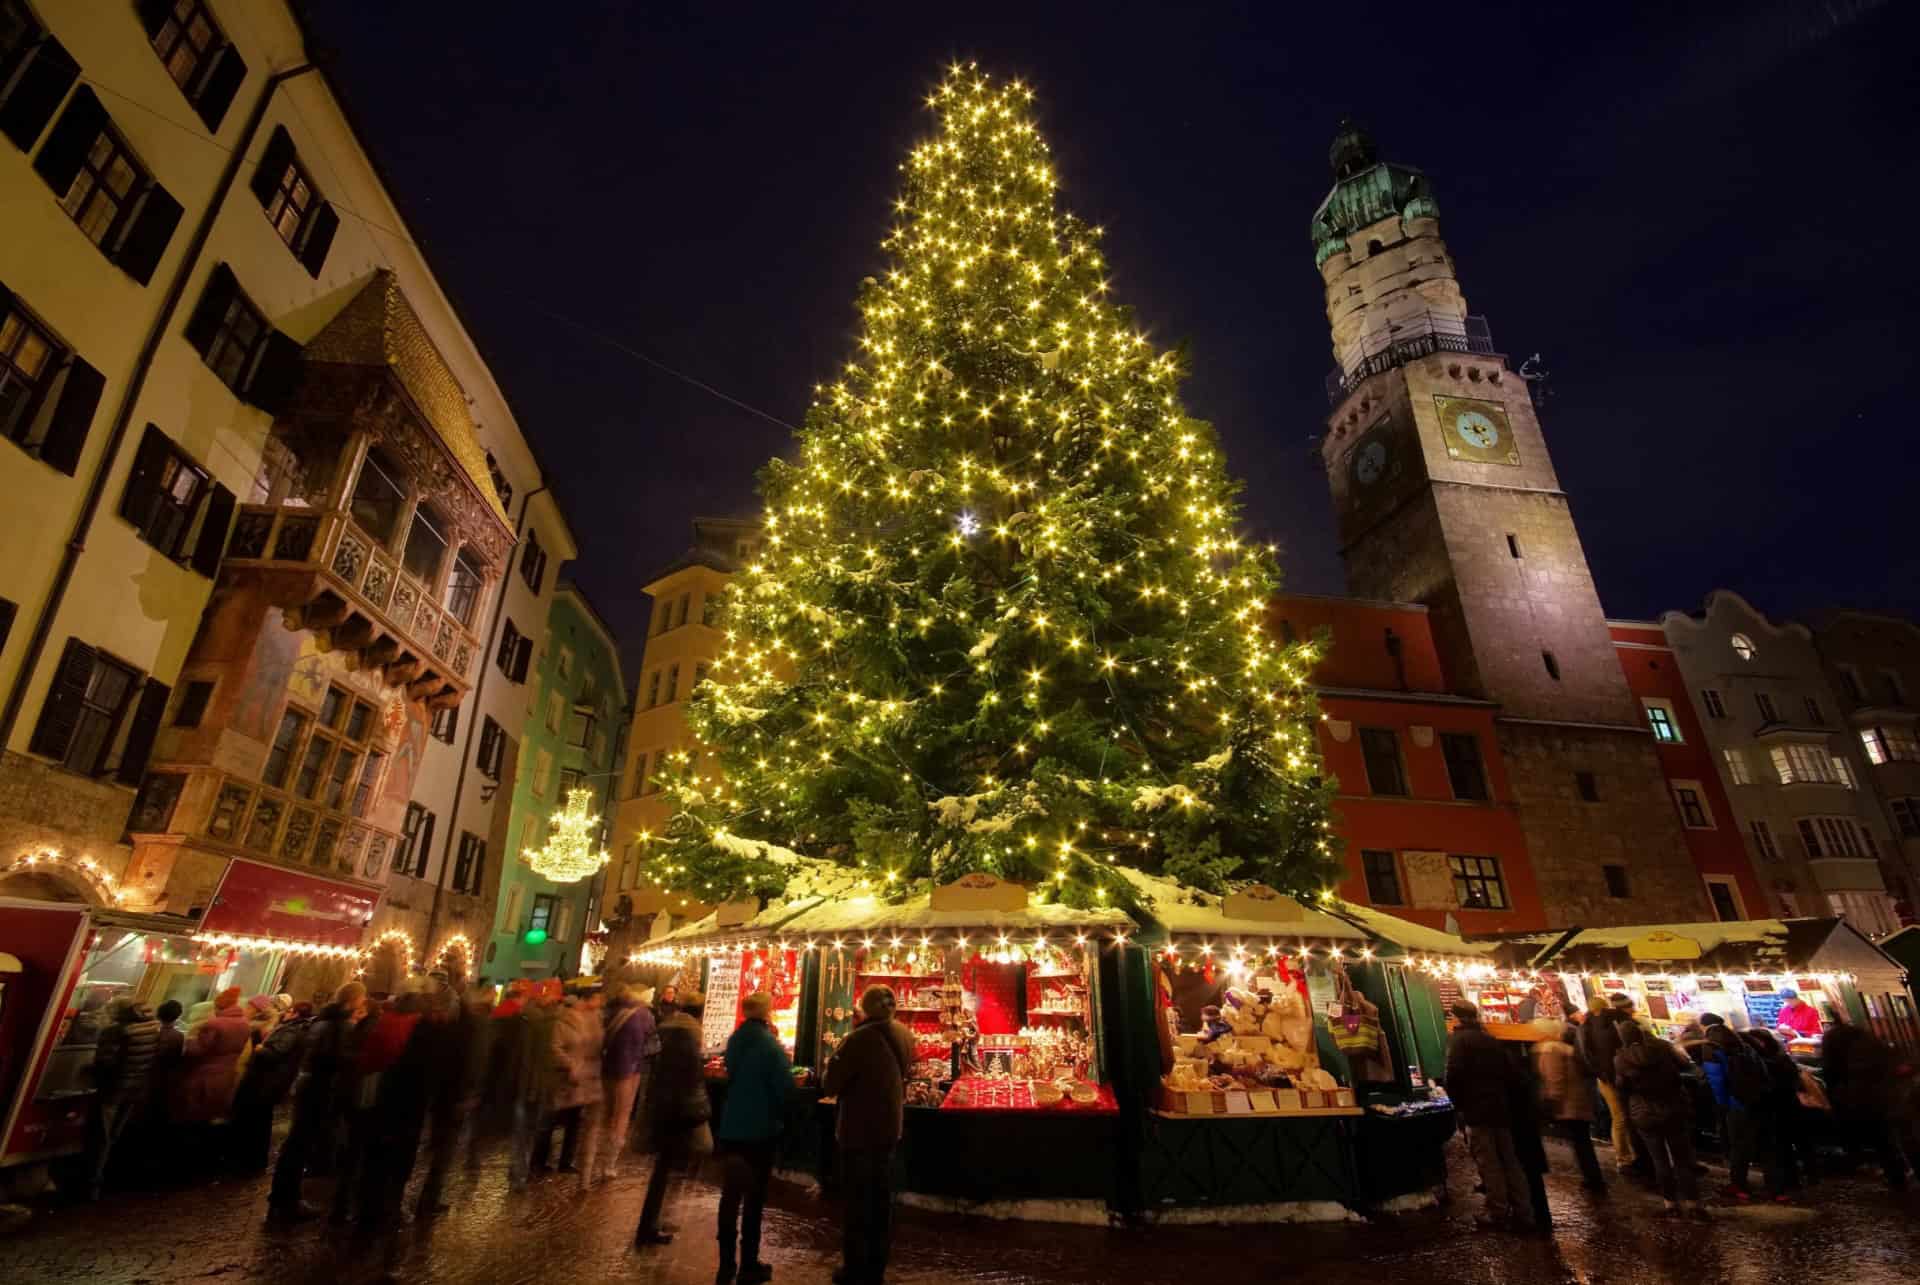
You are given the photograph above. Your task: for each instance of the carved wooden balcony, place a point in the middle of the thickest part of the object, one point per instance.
(333, 578)
(234, 815)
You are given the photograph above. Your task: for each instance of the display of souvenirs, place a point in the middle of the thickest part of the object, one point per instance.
(1253, 1054)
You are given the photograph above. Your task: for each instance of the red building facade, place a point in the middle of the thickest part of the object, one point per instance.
(1712, 833)
(1425, 802)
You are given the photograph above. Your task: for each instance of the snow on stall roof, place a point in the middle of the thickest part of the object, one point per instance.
(1185, 911)
(1408, 935)
(1710, 935)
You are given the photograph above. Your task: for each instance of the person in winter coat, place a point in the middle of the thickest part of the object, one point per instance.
(122, 1066)
(458, 1041)
(626, 1055)
(527, 1064)
(373, 1044)
(677, 1106)
(1600, 1043)
(317, 1102)
(264, 1082)
(575, 1099)
(211, 1053)
(1480, 1082)
(1859, 1071)
(1740, 1095)
(868, 1074)
(759, 1082)
(400, 1051)
(1567, 1094)
(1793, 1153)
(1649, 1075)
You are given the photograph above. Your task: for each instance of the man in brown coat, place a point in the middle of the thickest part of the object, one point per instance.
(868, 1075)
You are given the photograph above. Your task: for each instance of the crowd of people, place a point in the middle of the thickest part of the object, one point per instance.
(430, 1077)
(1608, 1064)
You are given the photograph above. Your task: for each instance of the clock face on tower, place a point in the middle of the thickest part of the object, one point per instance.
(1476, 431)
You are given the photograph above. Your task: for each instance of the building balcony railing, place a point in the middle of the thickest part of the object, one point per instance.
(247, 818)
(1410, 340)
(339, 581)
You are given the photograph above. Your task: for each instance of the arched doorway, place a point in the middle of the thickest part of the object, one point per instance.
(389, 960)
(44, 885)
(455, 959)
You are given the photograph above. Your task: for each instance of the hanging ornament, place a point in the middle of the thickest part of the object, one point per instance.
(569, 855)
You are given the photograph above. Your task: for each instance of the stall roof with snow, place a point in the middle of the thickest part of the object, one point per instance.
(1826, 944)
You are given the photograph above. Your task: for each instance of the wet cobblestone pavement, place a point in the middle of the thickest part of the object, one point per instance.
(1852, 1231)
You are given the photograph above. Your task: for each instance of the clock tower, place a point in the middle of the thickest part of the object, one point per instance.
(1445, 495)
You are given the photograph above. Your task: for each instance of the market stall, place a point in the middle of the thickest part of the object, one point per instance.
(1748, 972)
(77, 959)
(1002, 993)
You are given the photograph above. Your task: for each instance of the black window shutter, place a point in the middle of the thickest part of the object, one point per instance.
(521, 656)
(49, 73)
(147, 237)
(213, 531)
(319, 238)
(222, 83)
(222, 286)
(71, 139)
(60, 715)
(273, 164)
(146, 722)
(152, 14)
(143, 483)
(424, 847)
(275, 375)
(7, 610)
(72, 416)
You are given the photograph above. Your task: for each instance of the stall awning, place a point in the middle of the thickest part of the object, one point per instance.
(1180, 911)
(262, 901)
(1825, 944)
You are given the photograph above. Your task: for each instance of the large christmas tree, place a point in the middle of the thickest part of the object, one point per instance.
(1004, 619)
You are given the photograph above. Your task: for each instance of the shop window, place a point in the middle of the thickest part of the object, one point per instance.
(1466, 770)
(1660, 718)
(1386, 774)
(1616, 877)
(445, 722)
(463, 589)
(1588, 785)
(1477, 883)
(1716, 708)
(1691, 800)
(105, 190)
(426, 547)
(193, 703)
(1383, 878)
(378, 499)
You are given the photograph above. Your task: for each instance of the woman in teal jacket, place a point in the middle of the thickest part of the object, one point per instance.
(759, 1081)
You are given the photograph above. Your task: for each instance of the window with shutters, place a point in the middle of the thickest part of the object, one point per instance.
(163, 492)
(237, 339)
(1386, 774)
(186, 41)
(18, 30)
(445, 722)
(416, 832)
(283, 185)
(514, 648)
(286, 743)
(29, 355)
(8, 609)
(101, 194)
(48, 395)
(470, 866)
(533, 563)
(1466, 772)
(84, 705)
(493, 746)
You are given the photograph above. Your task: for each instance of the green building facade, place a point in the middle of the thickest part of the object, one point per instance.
(571, 739)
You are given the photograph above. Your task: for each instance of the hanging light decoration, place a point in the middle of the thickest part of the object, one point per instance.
(571, 852)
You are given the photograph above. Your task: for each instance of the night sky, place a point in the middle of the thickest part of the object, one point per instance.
(1702, 215)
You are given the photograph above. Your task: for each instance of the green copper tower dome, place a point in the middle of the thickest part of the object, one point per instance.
(1365, 190)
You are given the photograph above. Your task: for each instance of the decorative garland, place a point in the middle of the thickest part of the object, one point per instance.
(92, 872)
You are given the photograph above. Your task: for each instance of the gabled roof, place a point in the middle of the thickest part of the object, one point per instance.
(378, 327)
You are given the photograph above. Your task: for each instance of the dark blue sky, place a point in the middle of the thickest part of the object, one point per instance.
(1703, 215)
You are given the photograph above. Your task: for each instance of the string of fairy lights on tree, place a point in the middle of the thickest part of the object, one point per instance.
(1003, 619)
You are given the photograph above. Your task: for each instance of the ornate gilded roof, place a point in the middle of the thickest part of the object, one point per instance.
(380, 328)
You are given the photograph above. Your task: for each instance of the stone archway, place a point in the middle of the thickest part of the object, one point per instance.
(47, 883)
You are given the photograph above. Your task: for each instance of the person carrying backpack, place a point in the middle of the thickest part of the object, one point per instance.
(1741, 1091)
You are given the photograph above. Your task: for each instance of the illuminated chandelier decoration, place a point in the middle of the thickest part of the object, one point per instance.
(571, 853)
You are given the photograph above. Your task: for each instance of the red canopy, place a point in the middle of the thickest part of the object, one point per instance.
(256, 900)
